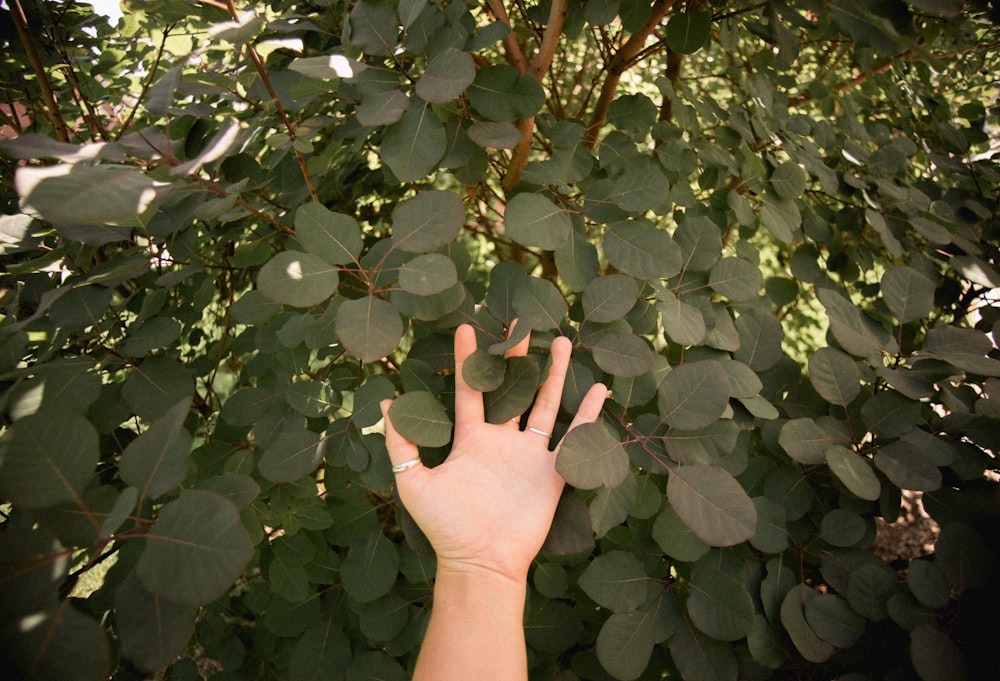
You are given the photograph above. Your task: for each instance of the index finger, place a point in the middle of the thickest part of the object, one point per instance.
(468, 401)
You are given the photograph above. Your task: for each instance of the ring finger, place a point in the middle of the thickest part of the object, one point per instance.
(543, 414)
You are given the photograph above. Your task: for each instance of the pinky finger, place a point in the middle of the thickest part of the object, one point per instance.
(590, 406)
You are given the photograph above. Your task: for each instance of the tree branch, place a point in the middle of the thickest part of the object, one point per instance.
(616, 67)
(55, 117)
(514, 53)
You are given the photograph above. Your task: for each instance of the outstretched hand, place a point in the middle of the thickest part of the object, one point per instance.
(489, 506)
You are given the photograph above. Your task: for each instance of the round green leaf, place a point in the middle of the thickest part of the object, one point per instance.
(760, 338)
(928, 583)
(369, 328)
(157, 332)
(642, 250)
(157, 460)
(688, 32)
(676, 539)
(370, 568)
(625, 643)
(841, 527)
(698, 656)
(616, 580)
(907, 293)
(935, 656)
(835, 376)
(610, 297)
(298, 279)
(807, 440)
(700, 240)
(694, 395)
(312, 398)
(291, 455)
(500, 93)
(641, 187)
(156, 385)
(516, 393)
(420, 418)
(712, 503)
(736, 279)
(320, 654)
(793, 618)
(683, 323)
(590, 456)
(789, 180)
(334, 237)
(196, 549)
(908, 467)
(855, 471)
(428, 221)
(492, 135)
(833, 620)
(56, 643)
(448, 74)
(772, 531)
(539, 304)
(428, 274)
(484, 371)
(719, 605)
(47, 458)
(153, 630)
(534, 220)
(375, 665)
(869, 588)
(412, 146)
(622, 354)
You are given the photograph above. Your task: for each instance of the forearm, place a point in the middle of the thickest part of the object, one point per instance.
(476, 629)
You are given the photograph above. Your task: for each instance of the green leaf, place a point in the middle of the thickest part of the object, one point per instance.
(428, 274)
(907, 293)
(420, 418)
(322, 653)
(841, 527)
(641, 250)
(57, 643)
(676, 539)
(719, 605)
(608, 298)
(807, 440)
(760, 336)
(157, 461)
(293, 453)
(833, 620)
(641, 187)
(382, 108)
(153, 630)
(81, 194)
(962, 348)
(736, 279)
(793, 618)
(47, 458)
(928, 583)
(334, 237)
(701, 658)
(516, 392)
(616, 580)
(622, 354)
(374, 27)
(788, 180)
(539, 304)
(855, 332)
(311, 398)
(688, 32)
(701, 242)
(533, 220)
(500, 93)
(712, 503)
(908, 467)
(327, 67)
(683, 323)
(428, 221)
(835, 376)
(772, 529)
(370, 568)
(446, 77)
(375, 665)
(591, 457)
(413, 146)
(484, 371)
(855, 472)
(196, 549)
(298, 279)
(369, 328)
(625, 643)
(694, 395)
(935, 656)
(781, 217)
(495, 135)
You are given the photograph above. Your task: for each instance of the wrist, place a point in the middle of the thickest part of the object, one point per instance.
(468, 579)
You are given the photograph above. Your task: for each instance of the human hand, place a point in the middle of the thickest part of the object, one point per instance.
(489, 506)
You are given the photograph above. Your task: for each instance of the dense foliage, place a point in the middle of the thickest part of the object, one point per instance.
(231, 229)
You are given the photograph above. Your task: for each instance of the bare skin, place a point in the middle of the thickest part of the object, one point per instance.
(486, 511)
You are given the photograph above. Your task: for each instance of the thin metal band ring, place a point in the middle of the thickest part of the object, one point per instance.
(538, 431)
(405, 466)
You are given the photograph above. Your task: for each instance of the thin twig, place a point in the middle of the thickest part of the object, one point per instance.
(21, 24)
(147, 84)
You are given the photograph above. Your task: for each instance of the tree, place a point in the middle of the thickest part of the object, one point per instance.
(231, 229)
